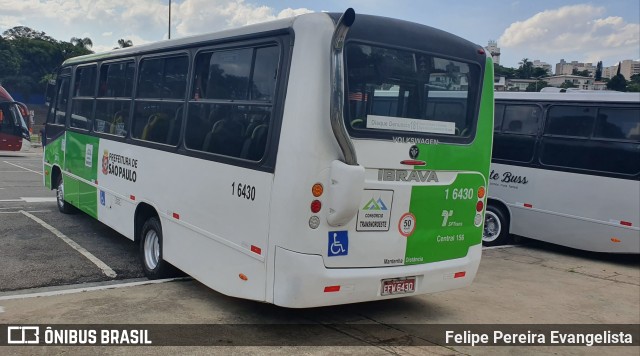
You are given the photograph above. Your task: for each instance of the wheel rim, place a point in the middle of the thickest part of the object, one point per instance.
(151, 249)
(60, 195)
(492, 227)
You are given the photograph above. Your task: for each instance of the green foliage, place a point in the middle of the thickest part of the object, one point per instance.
(525, 71)
(633, 84)
(501, 71)
(598, 75)
(617, 83)
(538, 72)
(9, 61)
(122, 43)
(29, 57)
(582, 73)
(568, 84)
(537, 86)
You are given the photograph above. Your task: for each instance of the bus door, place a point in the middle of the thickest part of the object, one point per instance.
(413, 120)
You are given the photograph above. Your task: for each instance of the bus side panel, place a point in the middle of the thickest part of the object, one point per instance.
(214, 217)
(81, 158)
(568, 208)
(53, 156)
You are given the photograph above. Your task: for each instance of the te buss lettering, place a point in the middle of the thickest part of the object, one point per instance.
(508, 177)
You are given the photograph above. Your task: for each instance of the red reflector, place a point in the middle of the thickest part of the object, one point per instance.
(479, 206)
(625, 223)
(527, 205)
(176, 216)
(132, 197)
(330, 289)
(613, 239)
(316, 205)
(256, 249)
(481, 51)
(459, 274)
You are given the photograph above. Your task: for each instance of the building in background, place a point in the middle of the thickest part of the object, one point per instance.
(544, 65)
(579, 82)
(567, 68)
(628, 68)
(494, 50)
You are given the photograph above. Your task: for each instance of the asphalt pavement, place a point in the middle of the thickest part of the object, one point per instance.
(44, 279)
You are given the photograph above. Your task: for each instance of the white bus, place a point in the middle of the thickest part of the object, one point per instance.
(566, 170)
(266, 163)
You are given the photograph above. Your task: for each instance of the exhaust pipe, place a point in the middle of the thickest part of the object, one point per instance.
(337, 87)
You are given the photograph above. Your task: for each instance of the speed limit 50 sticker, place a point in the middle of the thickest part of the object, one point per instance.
(407, 224)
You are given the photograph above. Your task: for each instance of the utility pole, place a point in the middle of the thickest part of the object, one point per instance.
(169, 37)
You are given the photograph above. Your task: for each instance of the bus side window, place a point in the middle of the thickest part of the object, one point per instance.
(516, 141)
(83, 94)
(159, 105)
(618, 123)
(230, 129)
(497, 117)
(62, 98)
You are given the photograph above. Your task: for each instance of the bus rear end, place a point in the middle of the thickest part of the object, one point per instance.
(403, 213)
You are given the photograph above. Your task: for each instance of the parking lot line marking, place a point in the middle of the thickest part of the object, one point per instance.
(38, 199)
(28, 211)
(88, 289)
(96, 261)
(11, 200)
(26, 169)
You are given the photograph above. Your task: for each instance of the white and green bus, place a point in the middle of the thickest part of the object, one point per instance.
(271, 163)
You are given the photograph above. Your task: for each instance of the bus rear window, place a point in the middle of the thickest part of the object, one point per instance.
(391, 91)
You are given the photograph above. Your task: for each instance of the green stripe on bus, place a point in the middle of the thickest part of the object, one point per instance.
(431, 241)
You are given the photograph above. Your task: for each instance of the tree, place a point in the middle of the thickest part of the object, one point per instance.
(122, 43)
(501, 71)
(582, 73)
(85, 43)
(634, 83)
(539, 72)
(618, 82)
(526, 69)
(9, 60)
(27, 33)
(537, 86)
(28, 57)
(598, 75)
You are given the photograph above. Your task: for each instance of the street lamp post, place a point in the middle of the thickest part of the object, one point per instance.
(169, 37)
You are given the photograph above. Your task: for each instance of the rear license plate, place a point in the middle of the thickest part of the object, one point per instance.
(398, 285)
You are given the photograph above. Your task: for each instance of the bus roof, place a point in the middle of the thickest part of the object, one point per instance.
(570, 96)
(365, 25)
(4, 94)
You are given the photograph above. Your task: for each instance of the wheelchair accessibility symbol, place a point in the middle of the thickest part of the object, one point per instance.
(338, 243)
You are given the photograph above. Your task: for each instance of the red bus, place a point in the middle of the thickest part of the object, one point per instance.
(14, 132)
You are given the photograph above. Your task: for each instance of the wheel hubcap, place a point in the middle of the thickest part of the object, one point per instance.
(492, 227)
(151, 249)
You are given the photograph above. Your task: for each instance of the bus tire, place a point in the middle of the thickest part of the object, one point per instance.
(153, 265)
(496, 227)
(63, 206)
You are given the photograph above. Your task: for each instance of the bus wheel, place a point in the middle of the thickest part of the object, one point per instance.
(63, 206)
(496, 227)
(153, 265)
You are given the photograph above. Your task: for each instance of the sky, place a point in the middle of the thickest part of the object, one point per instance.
(547, 30)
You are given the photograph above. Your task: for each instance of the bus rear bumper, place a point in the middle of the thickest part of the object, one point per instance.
(302, 280)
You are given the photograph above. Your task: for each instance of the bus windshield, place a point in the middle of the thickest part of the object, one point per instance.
(10, 115)
(392, 90)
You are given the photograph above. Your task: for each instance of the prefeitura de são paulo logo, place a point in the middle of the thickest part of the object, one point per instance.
(105, 162)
